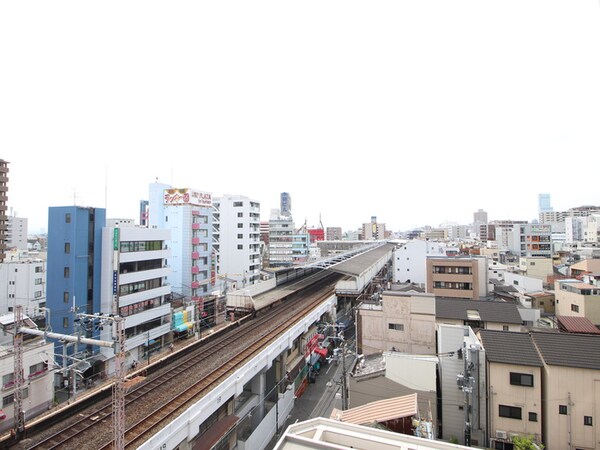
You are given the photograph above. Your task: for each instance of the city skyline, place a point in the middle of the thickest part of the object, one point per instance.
(416, 113)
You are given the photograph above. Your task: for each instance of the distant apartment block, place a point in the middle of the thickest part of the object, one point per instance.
(373, 230)
(286, 204)
(3, 201)
(538, 267)
(576, 298)
(23, 282)
(461, 277)
(16, 233)
(333, 234)
(237, 241)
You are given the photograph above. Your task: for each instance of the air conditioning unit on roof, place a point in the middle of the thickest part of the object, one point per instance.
(501, 434)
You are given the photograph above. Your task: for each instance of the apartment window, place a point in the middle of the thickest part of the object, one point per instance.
(532, 417)
(240, 247)
(10, 398)
(512, 412)
(240, 236)
(66, 272)
(38, 269)
(238, 204)
(8, 379)
(396, 326)
(38, 281)
(67, 247)
(38, 368)
(66, 297)
(562, 409)
(587, 420)
(68, 218)
(65, 322)
(574, 308)
(240, 214)
(37, 294)
(521, 379)
(240, 225)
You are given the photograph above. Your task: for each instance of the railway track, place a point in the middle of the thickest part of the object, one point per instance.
(157, 400)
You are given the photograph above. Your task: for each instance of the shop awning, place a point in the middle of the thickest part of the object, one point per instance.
(321, 351)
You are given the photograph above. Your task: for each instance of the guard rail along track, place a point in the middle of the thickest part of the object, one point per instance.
(174, 385)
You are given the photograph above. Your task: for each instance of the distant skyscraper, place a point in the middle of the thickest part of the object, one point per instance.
(286, 204)
(480, 216)
(3, 199)
(544, 203)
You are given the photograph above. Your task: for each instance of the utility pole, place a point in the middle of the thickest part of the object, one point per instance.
(119, 387)
(18, 368)
(344, 379)
(464, 382)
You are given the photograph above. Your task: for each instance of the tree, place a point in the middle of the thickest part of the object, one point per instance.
(525, 443)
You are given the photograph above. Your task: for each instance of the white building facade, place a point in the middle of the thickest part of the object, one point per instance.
(16, 233)
(23, 283)
(134, 286)
(236, 235)
(38, 393)
(410, 260)
(188, 215)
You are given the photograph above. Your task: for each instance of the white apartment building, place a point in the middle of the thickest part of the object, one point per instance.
(188, 215)
(410, 260)
(236, 223)
(134, 273)
(23, 283)
(38, 394)
(16, 233)
(525, 239)
(281, 232)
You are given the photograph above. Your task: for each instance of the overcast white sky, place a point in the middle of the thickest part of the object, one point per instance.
(417, 112)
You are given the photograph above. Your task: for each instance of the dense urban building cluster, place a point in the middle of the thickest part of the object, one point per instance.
(492, 326)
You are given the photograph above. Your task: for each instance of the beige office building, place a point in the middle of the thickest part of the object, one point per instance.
(462, 277)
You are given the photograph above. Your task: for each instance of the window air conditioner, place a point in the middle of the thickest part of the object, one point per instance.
(501, 434)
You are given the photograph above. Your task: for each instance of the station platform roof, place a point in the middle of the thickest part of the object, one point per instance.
(362, 262)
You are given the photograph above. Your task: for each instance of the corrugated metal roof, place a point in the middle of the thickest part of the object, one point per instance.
(574, 324)
(490, 311)
(509, 347)
(567, 349)
(379, 411)
(358, 264)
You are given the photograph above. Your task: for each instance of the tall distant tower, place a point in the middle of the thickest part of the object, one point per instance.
(286, 204)
(3, 199)
(544, 203)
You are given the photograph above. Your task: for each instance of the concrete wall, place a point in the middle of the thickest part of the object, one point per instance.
(579, 388)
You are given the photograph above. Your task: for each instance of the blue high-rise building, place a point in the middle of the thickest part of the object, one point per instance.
(286, 204)
(544, 203)
(74, 266)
